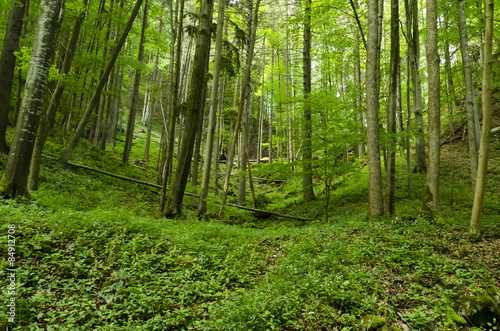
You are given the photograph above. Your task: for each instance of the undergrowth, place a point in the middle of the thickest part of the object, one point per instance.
(93, 254)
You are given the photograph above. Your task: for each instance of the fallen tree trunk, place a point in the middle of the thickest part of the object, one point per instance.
(186, 193)
(461, 124)
(270, 213)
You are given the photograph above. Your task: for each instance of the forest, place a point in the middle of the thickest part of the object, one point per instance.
(250, 165)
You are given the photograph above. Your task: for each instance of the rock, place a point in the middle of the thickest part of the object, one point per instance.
(372, 322)
(481, 310)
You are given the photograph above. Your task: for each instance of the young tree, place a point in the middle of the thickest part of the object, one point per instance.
(8, 65)
(375, 197)
(434, 105)
(174, 202)
(477, 209)
(307, 184)
(14, 179)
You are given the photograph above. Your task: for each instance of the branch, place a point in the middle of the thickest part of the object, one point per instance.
(359, 23)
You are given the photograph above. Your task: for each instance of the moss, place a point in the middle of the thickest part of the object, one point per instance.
(371, 322)
(395, 328)
(5, 186)
(454, 317)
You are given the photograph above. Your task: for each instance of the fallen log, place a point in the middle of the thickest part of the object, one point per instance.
(270, 213)
(186, 193)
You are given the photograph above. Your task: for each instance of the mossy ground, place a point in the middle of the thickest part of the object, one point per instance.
(94, 255)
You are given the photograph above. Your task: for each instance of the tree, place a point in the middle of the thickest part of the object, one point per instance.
(174, 202)
(135, 91)
(434, 105)
(14, 179)
(8, 65)
(477, 209)
(474, 131)
(391, 109)
(202, 205)
(100, 86)
(414, 55)
(241, 106)
(375, 197)
(47, 119)
(307, 184)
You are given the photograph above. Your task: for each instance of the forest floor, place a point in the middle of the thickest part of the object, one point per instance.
(92, 254)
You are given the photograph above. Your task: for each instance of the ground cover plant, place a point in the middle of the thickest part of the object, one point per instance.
(93, 254)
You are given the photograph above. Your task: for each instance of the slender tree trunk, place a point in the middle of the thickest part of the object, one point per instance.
(202, 205)
(261, 110)
(174, 93)
(375, 197)
(390, 169)
(482, 169)
(307, 183)
(417, 91)
(434, 105)
(271, 109)
(176, 194)
(246, 78)
(473, 128)
(14, 179)
(8, 65)
(135, 92)
(97, 94)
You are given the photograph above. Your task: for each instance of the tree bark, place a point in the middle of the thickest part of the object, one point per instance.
(47, 119)
(474, 131)
(477, 209)
(390, 169)
(307, 183)
(375, 197)
(97, 94)
(414, 49)
(434, 105)
(202, 205)
(174, 94)
(8, 65)
(176, 194)
(14, 179)
(246, 78)
(129, 136)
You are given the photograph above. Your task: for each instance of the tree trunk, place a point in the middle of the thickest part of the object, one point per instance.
(14, 180)
(261, 110)
(307, 183)
(417, 91)
(434, 105)
(202, 205)
(482, 169)
(8, 65)
(176, 194)
(375, 197)
(102, 81)
(135, 92)
(246, 78)
(174, 93)
(390, 169)
(474, 131)
(47, 119)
